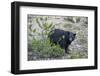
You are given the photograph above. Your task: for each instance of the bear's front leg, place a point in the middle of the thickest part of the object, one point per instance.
(67, 50)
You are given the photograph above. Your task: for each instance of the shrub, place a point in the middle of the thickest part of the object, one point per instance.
(45, 49)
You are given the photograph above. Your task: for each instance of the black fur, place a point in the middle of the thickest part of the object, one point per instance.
(63, 38)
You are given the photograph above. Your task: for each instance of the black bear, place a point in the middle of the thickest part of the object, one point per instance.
(63, 38)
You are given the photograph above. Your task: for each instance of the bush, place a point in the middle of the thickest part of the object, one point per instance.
(45, 49)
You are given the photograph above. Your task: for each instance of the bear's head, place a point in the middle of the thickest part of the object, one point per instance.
(70, 36)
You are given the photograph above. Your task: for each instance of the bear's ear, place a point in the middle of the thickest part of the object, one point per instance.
(74, 34)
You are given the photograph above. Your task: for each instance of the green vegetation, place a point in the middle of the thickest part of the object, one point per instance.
(77, 55)
(45, 50)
